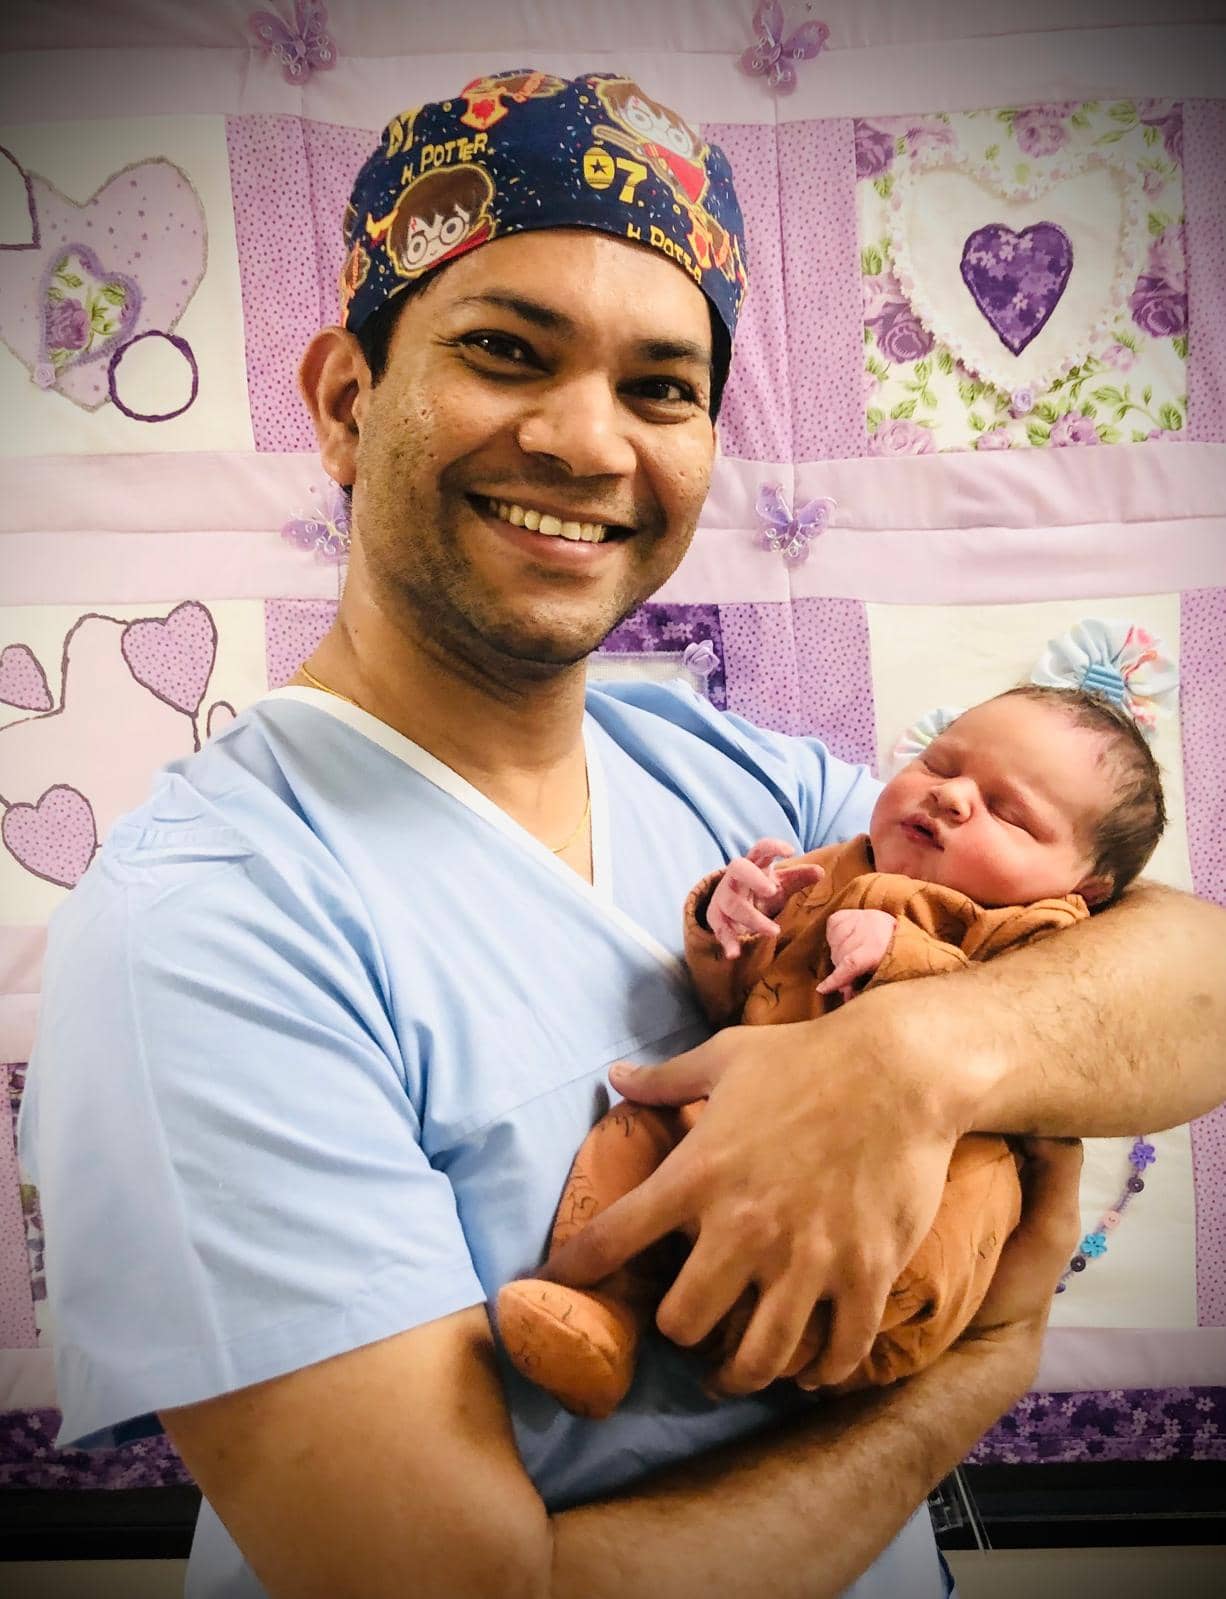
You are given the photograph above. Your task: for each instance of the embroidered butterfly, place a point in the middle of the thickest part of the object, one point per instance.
(784, 533)
(300, 53)
(773, 55)
(325, 531)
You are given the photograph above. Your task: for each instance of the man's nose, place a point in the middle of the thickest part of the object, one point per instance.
(582, 426)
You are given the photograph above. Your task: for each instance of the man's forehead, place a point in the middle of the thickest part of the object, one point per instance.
(578, 279)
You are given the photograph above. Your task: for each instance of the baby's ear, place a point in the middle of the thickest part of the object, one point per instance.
(1095, 890)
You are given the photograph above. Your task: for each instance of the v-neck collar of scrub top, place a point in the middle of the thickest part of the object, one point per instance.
(599, 891)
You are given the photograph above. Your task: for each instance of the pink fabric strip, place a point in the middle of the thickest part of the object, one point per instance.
(1204, 200)
(1076, 1358)
(21, 963)
(164, 493)
(235, 491)
(934, 65)
(18, 1020)
(126, 568)
(986, 566)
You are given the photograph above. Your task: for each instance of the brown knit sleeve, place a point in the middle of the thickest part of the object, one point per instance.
(721, 984)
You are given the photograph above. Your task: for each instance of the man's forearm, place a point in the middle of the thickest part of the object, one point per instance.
(802, 1511)
(1116, 1025)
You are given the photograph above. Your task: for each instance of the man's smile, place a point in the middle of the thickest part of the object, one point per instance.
(565, 525)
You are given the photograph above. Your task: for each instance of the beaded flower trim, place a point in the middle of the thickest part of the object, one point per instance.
(1094, 1244)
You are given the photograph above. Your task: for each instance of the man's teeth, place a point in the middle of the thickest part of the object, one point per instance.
(551, 526)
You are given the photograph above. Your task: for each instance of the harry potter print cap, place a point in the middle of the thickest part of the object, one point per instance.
(522, 151)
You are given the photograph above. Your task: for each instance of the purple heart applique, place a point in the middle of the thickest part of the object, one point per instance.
(86, 312)
(173, 658)
(1016, 279)
(22, 680)
(56, 838)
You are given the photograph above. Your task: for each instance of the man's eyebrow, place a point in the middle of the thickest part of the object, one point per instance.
(544, 316)
(540, 316)
(674, 350)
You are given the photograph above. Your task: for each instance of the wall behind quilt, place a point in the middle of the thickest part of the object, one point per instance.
(987, 320)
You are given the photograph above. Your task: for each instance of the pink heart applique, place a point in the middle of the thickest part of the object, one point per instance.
(56, 838)
(86, 312)
(173, 658)
(145, 226)
(17, 205)
(22, 680)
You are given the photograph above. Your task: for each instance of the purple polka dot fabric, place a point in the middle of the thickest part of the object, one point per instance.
(278, 272)
(835, 687)
(333, 156)
(794, 393)
(760, 662)
(755, 419)
(821, 253)
(1204, 160)
(292, 629)
(1202, 631)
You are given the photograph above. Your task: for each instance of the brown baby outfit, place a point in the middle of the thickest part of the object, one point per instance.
(581, 1344)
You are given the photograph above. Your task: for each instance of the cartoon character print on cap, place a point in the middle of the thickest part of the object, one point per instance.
(439, 216)
(400, 133)
(353, 275)
(678, 156)
(483, 97)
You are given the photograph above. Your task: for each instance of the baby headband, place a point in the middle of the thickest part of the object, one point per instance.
(1119, 660)
(523, 150)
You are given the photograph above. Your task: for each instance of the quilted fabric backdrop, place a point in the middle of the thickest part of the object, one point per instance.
(980, 394)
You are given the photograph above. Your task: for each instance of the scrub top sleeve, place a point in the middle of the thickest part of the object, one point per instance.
(226, 1144)
(834, 799)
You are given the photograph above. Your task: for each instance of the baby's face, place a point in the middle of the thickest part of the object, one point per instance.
(1000, 807)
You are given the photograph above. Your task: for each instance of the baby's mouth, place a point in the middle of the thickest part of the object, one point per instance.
(921, 831)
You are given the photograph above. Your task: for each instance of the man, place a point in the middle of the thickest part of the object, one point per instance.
(331, 1013)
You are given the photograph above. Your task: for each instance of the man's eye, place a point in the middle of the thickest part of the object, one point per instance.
(499, 347)
(669, 390)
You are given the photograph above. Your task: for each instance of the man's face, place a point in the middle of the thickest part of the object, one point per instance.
(532, 464)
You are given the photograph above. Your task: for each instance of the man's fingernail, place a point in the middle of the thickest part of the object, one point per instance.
(622, 1070)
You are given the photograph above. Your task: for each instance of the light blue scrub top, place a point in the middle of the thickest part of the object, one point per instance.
(323, 1030)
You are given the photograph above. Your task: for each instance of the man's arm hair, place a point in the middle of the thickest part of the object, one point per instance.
(392, 1470)
(1111, 1027)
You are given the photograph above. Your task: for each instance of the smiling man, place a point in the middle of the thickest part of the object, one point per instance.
(329, 1016)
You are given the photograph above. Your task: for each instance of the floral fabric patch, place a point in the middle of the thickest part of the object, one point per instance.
(1024, 278)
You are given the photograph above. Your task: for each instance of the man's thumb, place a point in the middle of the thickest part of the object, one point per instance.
(673, 1082)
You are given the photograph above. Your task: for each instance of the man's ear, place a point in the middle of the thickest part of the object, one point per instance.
(334, 381)
(1095, 890)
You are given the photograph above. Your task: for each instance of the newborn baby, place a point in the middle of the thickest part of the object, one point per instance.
(1026, 814)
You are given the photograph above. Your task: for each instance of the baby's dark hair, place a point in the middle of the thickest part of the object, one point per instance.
(1125, 838)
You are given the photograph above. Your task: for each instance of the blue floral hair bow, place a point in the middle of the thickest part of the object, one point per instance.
(1119, 660)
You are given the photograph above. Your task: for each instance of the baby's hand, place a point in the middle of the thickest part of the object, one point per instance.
(858, 941)
(751, 891)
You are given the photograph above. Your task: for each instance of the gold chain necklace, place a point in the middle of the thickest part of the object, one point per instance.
(323, 687)
(336, 694)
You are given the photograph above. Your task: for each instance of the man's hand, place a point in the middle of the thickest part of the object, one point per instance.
(1024, 1286)
(858, 943)
(752, 891)
(813, 1174)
